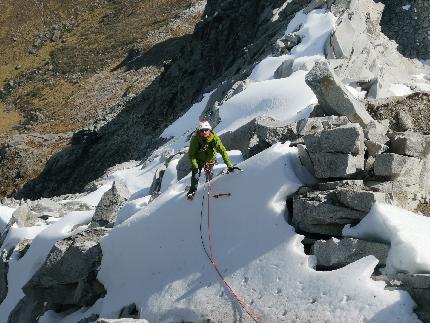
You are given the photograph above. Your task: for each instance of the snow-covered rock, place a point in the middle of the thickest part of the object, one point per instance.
(68, 275)
(109, 205)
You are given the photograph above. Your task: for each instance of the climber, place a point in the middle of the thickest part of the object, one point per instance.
(202, 152)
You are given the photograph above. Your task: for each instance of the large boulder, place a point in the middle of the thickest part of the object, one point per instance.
(68, 276)
(320, 212)
(359, 199)
(398, 167)
(336, 165)
(410, 144)
(347, 139)
(335, 253)
(24, 217)
(109, 205)
(333, 96)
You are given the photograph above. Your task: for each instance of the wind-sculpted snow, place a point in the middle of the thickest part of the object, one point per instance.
(406, 231)
(278, 97)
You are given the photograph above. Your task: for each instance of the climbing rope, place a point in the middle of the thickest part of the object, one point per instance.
(246, 307)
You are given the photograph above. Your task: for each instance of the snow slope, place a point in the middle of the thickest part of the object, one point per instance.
(155, 258)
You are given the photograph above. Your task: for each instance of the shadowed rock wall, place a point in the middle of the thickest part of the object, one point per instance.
(408, 23)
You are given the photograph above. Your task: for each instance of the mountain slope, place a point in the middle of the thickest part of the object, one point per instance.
(61, 70)
(131, 244)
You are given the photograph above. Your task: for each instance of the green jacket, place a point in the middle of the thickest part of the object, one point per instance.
(202, 151)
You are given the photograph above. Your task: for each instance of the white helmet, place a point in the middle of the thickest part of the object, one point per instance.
(204, 125)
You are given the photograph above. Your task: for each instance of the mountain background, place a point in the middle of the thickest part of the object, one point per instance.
(323, 104)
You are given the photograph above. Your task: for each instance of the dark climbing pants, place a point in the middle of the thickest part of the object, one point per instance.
(195, 174)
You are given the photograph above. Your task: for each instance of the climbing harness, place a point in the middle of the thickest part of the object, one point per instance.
(208, 251)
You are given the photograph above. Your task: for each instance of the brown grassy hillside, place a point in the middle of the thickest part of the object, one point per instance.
(60, 63)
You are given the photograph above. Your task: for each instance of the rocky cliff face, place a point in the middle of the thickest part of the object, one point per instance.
(408, 23)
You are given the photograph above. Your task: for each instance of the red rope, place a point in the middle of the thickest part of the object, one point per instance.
(248, 309)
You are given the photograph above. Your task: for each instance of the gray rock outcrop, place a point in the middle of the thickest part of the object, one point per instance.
(333, 96)
(68, 276)
(410, 144)
(314, 125)
(320, 212)
(334, 253)
(364, 55)
(418, 286)
(334, 150)
(24, 217)
(407, 24)
(109, 205)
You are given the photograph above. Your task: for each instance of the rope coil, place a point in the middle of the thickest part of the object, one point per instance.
(246, 307)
